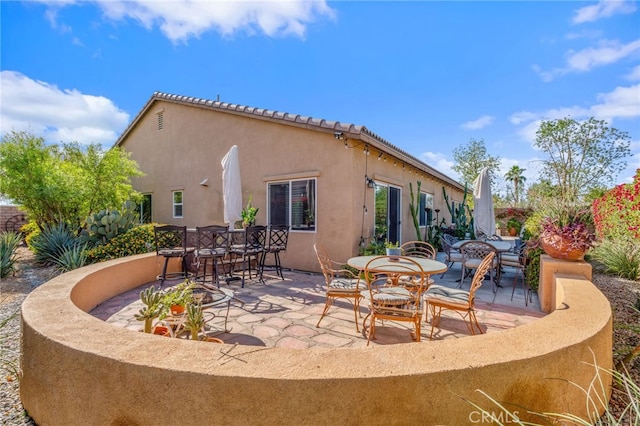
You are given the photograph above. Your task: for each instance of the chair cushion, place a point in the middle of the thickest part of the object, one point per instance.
(508, 259)
(392, 296)
(473, 263)
(450, 295)
(347, 284)
(455, 256)
(171, 252)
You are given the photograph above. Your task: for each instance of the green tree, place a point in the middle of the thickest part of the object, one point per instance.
(581, 155)
(63, 184)
(472, 158)
(514, 175)
(540, 191)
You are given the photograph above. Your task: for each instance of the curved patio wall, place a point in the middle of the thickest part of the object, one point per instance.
(79, 370)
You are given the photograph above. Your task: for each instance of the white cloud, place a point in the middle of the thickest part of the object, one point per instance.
(593, 34)
(440, 162)
(480, 123)
(623, 102)
(57, 115)
(607, 52)
(522, 116)
(634, 74)
(620, 103)
(182, 20)
(604, 9)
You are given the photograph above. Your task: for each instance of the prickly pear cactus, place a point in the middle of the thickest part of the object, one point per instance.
(103, 226)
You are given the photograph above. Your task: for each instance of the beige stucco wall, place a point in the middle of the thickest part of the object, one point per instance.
(194, 140)
(79, 370)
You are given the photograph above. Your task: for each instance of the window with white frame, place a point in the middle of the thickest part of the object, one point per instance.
(426, 202)
(293, 203)
(177, 204)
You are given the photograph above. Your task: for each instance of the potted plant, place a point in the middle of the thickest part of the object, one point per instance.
(249, 214)
(195, 320)
(152, 307)
(176, 299)
(567, 233)
(514, 226)
(392, 249)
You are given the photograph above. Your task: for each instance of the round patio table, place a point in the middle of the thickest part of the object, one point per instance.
(429, 266)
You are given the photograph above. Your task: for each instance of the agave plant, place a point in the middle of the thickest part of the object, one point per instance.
(9, 242)
(71, 258)
(52, 241)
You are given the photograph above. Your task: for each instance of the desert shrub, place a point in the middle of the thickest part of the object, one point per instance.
(620, 257)
(9, 242)
(52, 241)
(135, 241)
(29, 231)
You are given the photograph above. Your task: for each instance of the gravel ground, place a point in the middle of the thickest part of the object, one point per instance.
(623, 295)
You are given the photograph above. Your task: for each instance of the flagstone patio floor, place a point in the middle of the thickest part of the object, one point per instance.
(284, 313)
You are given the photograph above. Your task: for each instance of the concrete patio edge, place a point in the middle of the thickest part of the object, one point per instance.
(78, 369)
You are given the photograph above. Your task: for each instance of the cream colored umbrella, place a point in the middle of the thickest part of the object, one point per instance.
(231, 187)
(484, 221)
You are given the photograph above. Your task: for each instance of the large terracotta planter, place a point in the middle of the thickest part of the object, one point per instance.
(558, 248)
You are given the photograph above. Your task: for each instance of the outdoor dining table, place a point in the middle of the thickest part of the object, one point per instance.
(384, 265)
(499, 246)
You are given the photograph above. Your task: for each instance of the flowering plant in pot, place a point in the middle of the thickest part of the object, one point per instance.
(568, 234)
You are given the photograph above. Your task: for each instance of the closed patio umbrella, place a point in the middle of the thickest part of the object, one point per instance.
(484, 221)
(231, 187)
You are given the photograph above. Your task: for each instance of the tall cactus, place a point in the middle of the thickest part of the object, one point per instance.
(459, 216)
(414, 208)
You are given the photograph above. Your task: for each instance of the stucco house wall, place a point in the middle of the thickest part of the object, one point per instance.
(179, 142)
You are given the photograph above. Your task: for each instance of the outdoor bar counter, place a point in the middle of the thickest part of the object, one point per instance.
(79, 370)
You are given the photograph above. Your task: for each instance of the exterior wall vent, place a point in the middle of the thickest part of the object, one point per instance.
(160, 120)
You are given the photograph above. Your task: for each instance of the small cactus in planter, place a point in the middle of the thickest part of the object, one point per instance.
(195, 320)
(151, 299)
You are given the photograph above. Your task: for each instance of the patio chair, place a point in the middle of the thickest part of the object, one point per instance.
(340, 283)
(276, 243)
(473, 252)
(250, 248)
(171, 242)
(439, 298)
(393, 303)
(212, 244)
(519, 261)
(451, 255)
(417, 249)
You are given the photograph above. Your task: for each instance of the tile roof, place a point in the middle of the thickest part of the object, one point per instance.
(351, 131)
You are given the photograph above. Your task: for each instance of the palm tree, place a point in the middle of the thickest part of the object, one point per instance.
(514, 175)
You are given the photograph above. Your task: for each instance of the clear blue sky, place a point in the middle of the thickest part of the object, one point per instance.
(427, 76)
